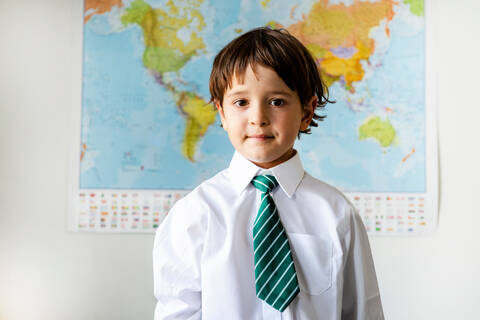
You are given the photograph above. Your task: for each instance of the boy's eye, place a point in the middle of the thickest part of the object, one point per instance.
(277, 102)
(240, 103)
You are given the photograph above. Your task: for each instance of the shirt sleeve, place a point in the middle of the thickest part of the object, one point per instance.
(177, 255)
(361, 297)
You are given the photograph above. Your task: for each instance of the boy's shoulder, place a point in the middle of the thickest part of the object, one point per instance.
(194, 207)
(323, 190)
(210, 189)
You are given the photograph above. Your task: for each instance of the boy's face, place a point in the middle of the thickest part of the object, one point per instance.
(262, 116)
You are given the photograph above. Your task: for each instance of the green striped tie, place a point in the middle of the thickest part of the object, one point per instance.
(275, 278)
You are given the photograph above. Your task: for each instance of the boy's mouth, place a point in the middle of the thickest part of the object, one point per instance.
(260, 136)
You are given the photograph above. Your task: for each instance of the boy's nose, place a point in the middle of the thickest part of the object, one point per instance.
(258, 116)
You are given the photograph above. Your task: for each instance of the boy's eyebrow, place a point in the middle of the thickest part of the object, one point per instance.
(242, 92)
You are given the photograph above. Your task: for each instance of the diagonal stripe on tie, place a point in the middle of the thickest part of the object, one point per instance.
(275, 278)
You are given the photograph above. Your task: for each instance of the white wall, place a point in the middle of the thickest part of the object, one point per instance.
(49, 273)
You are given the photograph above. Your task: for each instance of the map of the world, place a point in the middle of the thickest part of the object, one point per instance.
(146, 122)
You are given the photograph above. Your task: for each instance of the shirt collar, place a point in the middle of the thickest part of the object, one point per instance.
(288, 174)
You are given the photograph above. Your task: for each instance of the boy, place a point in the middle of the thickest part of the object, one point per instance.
(263, 239)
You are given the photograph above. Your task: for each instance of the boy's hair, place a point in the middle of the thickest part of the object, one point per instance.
(276, 49)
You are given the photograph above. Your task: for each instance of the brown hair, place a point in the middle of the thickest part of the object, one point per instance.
(277, 49)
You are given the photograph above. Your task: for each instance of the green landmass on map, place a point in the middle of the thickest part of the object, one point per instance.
(382, 131)
(416, 6)
(166, 52)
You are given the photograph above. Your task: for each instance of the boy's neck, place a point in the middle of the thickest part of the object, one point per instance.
(268, 165)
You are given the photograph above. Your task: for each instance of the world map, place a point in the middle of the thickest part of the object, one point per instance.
(146, 122)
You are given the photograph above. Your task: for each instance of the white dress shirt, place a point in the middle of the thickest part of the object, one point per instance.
(203, 251)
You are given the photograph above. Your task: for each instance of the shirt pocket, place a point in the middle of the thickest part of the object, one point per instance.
(313, 262)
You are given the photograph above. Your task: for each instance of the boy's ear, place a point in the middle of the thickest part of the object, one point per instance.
(308, 112)
(222, 114)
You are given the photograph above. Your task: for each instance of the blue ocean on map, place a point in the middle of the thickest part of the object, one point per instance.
(132, 130)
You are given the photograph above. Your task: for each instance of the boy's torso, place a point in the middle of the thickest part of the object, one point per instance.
(316, 219)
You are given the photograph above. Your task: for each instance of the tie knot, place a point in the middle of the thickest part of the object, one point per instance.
(265, 183)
